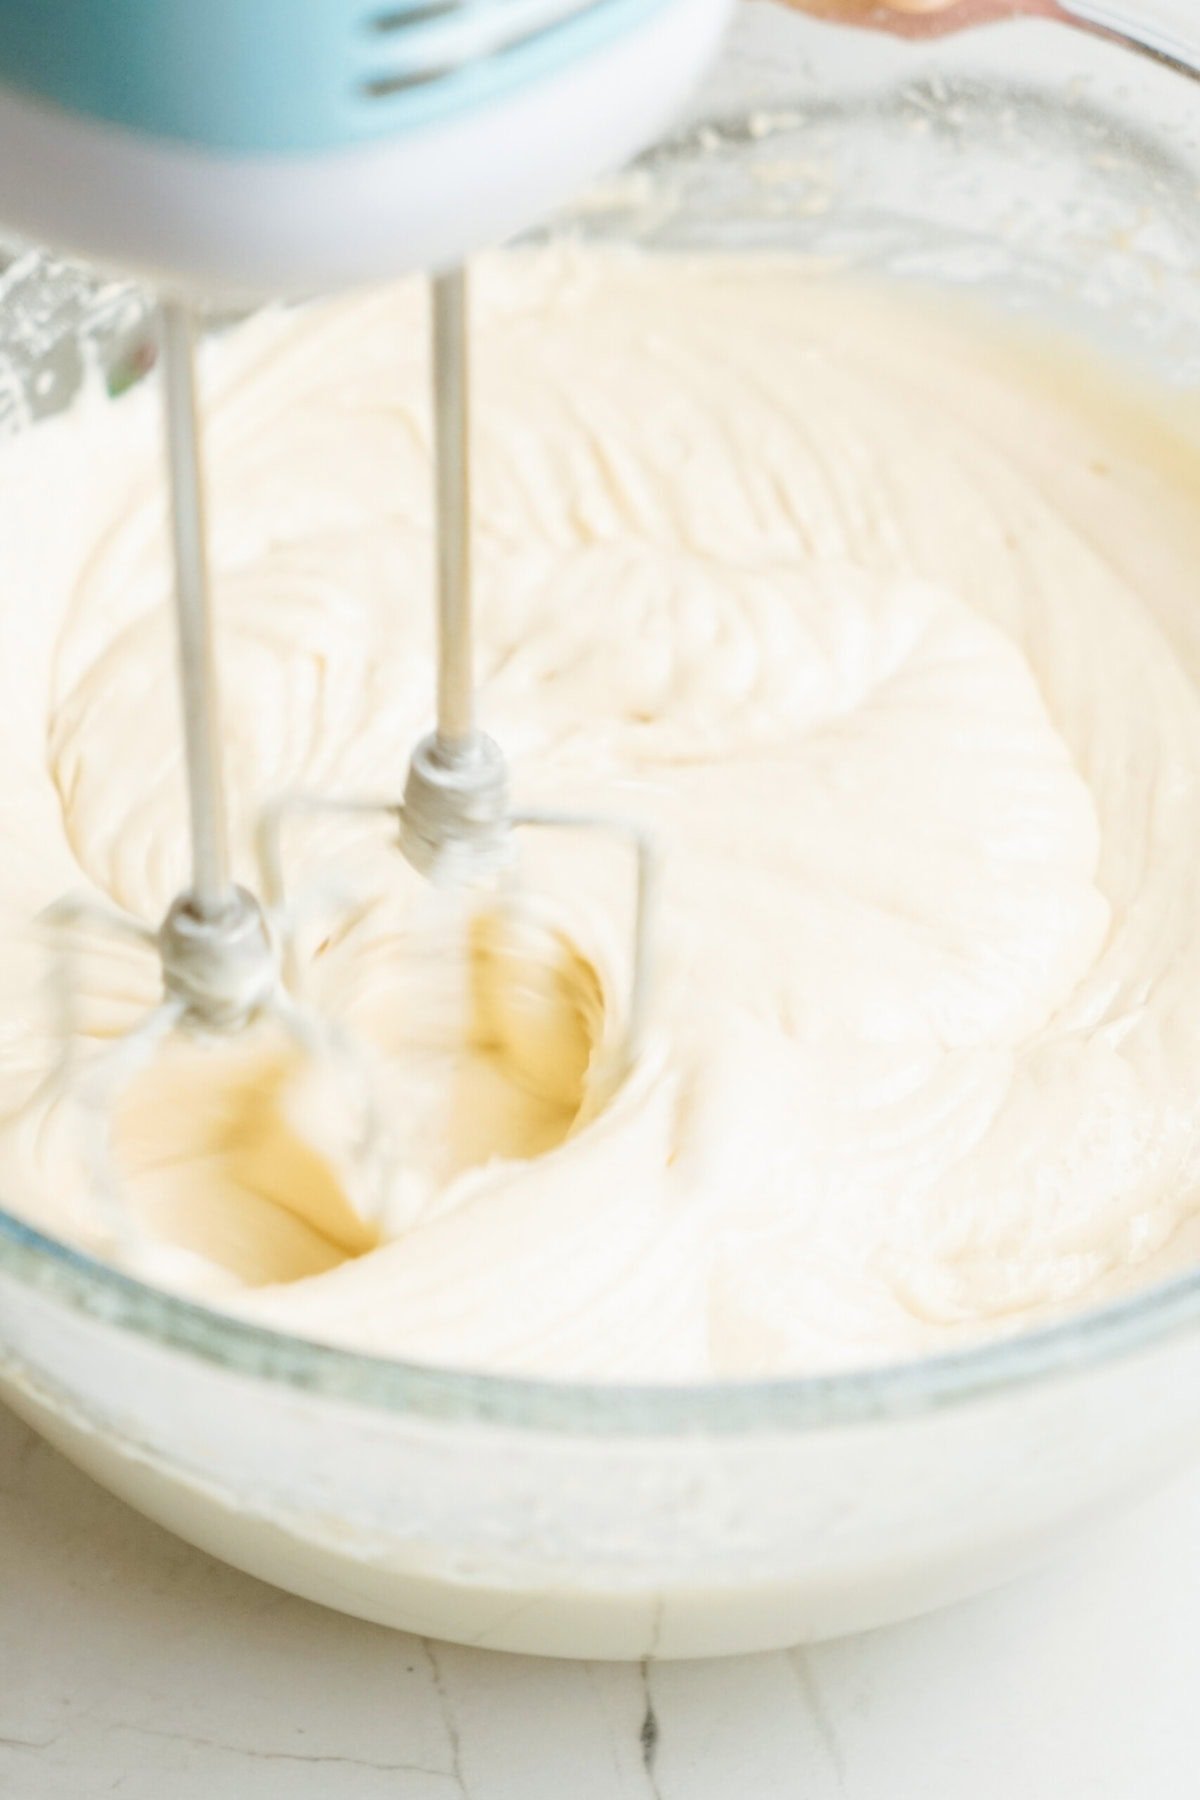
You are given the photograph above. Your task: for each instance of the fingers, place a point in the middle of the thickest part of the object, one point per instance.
(925, 18)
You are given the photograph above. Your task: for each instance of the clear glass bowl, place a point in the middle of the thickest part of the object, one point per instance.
(1062, 174)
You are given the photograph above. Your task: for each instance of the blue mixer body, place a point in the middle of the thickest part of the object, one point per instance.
(285, 76)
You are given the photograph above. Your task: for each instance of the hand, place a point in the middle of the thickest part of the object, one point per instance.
(926, 18)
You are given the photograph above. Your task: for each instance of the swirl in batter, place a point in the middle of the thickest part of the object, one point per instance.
(881, 618)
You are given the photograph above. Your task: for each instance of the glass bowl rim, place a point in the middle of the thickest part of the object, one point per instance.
(860, 1395)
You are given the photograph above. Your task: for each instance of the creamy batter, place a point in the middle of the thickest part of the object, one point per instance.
(883, 621)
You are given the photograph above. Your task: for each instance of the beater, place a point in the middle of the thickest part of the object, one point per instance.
(454, 822)
(255, 148)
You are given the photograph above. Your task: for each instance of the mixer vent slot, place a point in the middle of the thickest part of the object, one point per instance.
(424, 14)
(380, 86)
(511, 25)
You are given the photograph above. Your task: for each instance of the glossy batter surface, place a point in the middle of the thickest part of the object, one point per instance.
(880, 619)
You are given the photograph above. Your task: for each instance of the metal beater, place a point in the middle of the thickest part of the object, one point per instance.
(454, 823)
(219, 949)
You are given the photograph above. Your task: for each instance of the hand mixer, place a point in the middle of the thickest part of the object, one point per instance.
(243, 148)
(251, 148)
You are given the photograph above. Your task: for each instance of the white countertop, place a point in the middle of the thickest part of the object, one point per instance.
(131, 1664)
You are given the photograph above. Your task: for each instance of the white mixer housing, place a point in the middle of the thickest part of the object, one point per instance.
(235, 223)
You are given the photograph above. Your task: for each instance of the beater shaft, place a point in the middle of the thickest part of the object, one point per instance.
(452, 498)
(211, 891)
(454, 816)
